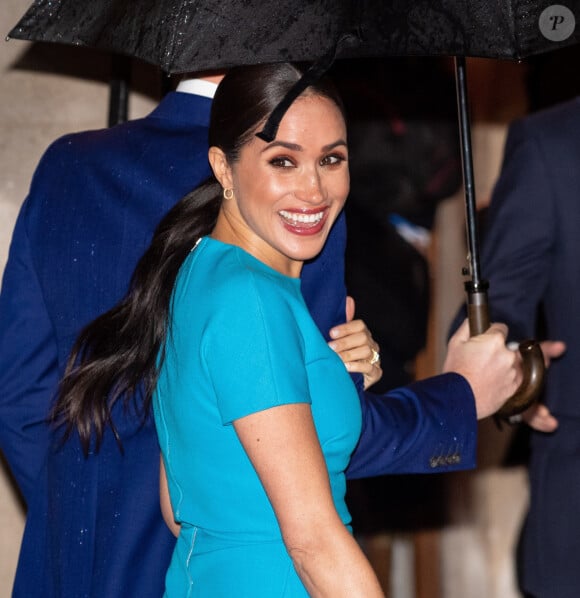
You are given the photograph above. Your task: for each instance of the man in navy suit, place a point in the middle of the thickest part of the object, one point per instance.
(94, 526)
(530, 254)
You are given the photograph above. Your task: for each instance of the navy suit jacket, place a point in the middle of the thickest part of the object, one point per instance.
(530, 254)
(94, 526)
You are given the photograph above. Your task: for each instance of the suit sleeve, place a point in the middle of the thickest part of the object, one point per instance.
(518, 245)
(28, 363)
(427, 427)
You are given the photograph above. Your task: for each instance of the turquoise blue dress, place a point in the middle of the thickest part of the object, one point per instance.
(241, 341)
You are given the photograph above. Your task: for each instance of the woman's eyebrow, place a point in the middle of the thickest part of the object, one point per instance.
(284, 144)
(298, 148)
(336, 143)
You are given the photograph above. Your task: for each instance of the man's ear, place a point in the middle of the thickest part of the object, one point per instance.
(220, 167)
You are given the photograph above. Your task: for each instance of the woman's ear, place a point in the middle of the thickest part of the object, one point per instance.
(221, 168)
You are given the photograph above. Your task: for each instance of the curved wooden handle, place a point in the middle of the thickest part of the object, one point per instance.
(532, 357)
(531, 386)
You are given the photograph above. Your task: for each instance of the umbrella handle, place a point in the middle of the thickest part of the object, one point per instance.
(530, 350)
(531, 387)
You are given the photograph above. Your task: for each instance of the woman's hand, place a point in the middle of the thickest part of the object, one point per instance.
(356, 347)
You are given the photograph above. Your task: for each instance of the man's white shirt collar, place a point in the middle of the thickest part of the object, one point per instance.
(199, 87)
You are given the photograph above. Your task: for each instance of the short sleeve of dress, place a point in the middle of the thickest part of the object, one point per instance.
(253, 348)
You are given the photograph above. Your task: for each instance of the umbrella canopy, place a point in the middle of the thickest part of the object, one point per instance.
(193, 35)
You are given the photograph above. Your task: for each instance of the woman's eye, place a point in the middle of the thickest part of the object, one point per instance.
(282, 162)
(332, 159)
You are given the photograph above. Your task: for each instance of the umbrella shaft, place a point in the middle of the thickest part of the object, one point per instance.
(467, 163)
(119, 90)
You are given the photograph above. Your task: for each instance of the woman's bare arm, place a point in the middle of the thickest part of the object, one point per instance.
(283, 446)
(166, 509)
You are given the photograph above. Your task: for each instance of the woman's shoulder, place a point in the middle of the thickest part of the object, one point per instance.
(219, 278)
(234, 271)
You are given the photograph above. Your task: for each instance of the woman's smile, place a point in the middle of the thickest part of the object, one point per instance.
(304, 222)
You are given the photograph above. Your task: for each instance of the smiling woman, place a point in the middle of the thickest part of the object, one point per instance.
(256, 415)
(288, 193)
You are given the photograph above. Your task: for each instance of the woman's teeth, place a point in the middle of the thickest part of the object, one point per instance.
(296, 217)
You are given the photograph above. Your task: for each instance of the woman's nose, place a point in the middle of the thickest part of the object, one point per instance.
(310, 188)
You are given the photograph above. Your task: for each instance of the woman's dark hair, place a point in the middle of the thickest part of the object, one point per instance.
(117, 357)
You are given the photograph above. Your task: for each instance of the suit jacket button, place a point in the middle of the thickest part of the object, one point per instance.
(434, 462)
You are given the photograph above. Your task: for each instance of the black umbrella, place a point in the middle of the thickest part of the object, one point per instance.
(189, 35)
(194, 35)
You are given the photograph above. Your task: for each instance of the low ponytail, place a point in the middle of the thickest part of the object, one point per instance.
(118, 355)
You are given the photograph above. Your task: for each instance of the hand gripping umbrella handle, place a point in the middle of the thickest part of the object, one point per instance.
(532, 357)
(477, 304)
